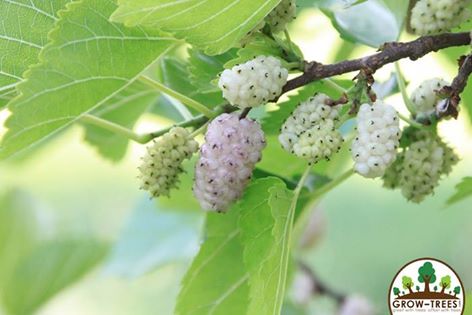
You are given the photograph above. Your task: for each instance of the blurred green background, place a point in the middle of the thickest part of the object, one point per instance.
(67, 192)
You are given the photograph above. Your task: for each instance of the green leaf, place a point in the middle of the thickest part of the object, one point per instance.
(174, 73)
(212, 25)
(50, 268)
(371, 22)
(25, 25)
(204, 69)
(154, 236)
(468, 304)
(124, 109)
(18, 231)
(259, 45)
(88, 62)
(266, 220)
(216, 282)
(463, 191)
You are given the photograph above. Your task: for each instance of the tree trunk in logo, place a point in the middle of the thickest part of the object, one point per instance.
(426, 285)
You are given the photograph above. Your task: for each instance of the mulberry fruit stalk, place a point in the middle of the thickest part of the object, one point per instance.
(310, 131)
(425, 97)
(378, 133)
(283, 14)
(161, 166)
(253, 83)
(436, 16)
(232, 148)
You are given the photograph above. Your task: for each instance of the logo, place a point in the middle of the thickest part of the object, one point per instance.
(426, 286)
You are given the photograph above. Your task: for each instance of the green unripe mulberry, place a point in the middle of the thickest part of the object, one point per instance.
(162, 165)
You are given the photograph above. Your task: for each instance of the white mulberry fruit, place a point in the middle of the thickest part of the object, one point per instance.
(357, 305)
(319, 142)
(161, 166)
(450, 158)
(421, 170)
(425, 97)
(282, 14)
(391, 178)
(436, 16)
(375, 147)
(253, 83)
(232, 148)
(309, 132)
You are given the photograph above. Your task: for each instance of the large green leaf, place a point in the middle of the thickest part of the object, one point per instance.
(88, 62)
(267, 213)
(18, 231)
(49, 269)
(124, 109)
(154, 237)
(216, 282)
(211, 25)
(372, 22)
(25, 25)
(463, 191)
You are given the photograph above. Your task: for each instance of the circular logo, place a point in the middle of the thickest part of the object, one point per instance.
(426, 286)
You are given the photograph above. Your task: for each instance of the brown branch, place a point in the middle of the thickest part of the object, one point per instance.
(388, 53)
(453, 92)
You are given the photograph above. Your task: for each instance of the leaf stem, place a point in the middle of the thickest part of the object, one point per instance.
(112, 127)
(140, 138)
(289, 40)
(306, 212)
(401, 84)
(289, 231)
(410, 121)
(182, 98)
(334, 85)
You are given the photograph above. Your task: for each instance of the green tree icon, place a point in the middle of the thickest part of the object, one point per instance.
(435, 288)
(426, 275)
(457, 290)
(407, 283)
(445, 283)
(417, 288)
(396, 291)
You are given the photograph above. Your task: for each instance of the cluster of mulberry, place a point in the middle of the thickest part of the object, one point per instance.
(310, 131)
(436, 16)
(419, 168)
(425, 97)
(232, 148)
(161, 166)
(253, 83)
(378, 134)
(283, 14)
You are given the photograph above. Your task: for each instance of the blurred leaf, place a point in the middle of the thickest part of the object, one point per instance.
(152, 238)
(124, 109)
(386, 88)
(49, 269)
(18, 231)
(89, 61)
(265, 223)
(174, 73)
(204, 69)
(25, 26)
(468, 304)
(213, 25)
(291, 309)
(399, 9)
(371, 23)
(216, 282)
(463, 191)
